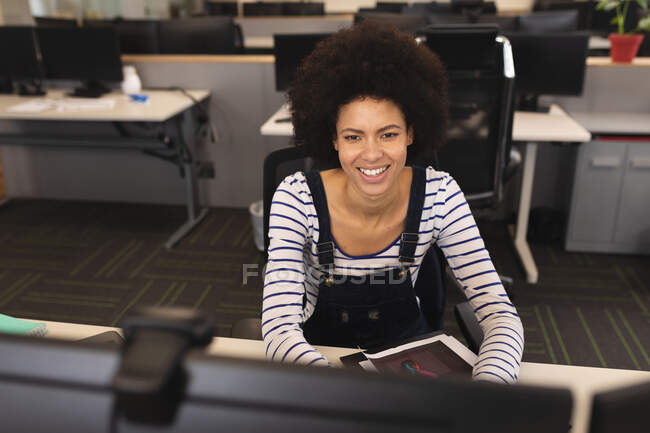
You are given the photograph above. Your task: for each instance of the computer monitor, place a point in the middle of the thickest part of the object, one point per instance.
(548, 64)
(408, 23)
(55, 386)
(220, 8)
(391, 7)
(554, 21)
(67, 23)
(18, 59)
(303, 8)
(583, 8)
(289, 51)
(136, 36)
(464, 46)
(621, 410)
(202, 35)
(91, 55)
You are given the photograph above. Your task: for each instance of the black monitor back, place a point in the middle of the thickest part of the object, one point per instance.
(55, 22)
(551, 64)
(18, 53)
(621, 410)
(136, 36)
(202, 35)
(289, 51)
(262, 8)
(220, 8)
(409, 23)
(51, 386)
(553, 21)
(583, 8)
(302, 8)
(88, 54)
(391, 7)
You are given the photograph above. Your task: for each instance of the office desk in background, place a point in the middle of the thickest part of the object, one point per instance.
(529, 128)
(582, 381)
(164, 107)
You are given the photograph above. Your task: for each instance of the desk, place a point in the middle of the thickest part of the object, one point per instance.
(165, 107)
(528, 127)
(582, 381)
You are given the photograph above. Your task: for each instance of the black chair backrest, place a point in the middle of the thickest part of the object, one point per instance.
(203, 35)
(136, 36)
(552, 21)
(409, 23)
(55, 22)
(481, 79)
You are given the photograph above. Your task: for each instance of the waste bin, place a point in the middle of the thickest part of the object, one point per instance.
(256, 211)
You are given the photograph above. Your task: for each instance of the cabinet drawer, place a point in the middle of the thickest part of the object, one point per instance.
(596, 191)
(633, 224)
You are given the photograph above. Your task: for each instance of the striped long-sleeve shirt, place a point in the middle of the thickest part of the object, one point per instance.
(291, 276)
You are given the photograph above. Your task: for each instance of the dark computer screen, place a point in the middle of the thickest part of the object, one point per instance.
(463, 46)
(621, 410)
(202, 35)
(136, 36)
(220, 8)
(549, 64)
(554, 21)
(302, 8)
(409, 23)
(289, 51)
(18, 53)
(52, 386)
(87, 54)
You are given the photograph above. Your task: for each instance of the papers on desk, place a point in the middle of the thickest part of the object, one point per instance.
(63, 105)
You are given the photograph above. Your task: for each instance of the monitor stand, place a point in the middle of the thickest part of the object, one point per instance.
(530, 102)
(90, 89)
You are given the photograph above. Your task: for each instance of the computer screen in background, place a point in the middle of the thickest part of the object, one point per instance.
(551, 22)
(18, 59)
(136, 36)
(68, 386)
(289, 51)
(201, 35)
(91, 55)
(548, 64)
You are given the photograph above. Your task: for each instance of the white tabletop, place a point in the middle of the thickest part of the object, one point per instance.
(556, 125)
(614, 123)
(162, 105)
(582, 381)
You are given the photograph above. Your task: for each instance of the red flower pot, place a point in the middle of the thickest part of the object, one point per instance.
(624, 47)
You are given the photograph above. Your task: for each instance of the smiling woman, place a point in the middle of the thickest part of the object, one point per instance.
(347, 243)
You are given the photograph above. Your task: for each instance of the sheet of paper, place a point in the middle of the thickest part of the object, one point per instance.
(31, 106)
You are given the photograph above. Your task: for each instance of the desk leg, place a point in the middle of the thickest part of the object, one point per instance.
(519, 234)
(194, 212)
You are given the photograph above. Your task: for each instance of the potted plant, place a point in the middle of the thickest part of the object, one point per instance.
(624, 45)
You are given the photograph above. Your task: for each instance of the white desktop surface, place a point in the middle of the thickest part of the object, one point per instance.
(556, 125)
(161, 106)
(582, 381)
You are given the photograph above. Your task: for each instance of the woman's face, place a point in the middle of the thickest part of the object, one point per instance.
(371, 140)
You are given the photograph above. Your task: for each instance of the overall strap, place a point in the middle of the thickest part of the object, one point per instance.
(325, 246)
(409, 240)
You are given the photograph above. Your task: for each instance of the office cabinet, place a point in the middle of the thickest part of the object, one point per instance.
(610, 204)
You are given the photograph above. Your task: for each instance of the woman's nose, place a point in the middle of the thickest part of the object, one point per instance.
(372, 150)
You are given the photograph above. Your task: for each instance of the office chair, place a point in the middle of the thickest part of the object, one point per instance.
(202, 35)
(479, 152)
(409, 23)
(429, 286)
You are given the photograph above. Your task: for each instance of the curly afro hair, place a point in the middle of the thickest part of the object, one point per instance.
(369, 60)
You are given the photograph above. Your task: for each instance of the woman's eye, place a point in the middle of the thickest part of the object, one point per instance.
(389, 135)
(352, 137)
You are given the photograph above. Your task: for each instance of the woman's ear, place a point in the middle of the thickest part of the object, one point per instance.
(409, 133)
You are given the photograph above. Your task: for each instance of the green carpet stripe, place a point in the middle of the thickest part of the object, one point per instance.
(547, 340)
(123, 259)
(173, 299)
(16, 283)
(87, 284)
(242, 232)
(622, 339)
(75, 296)
(591, 337)
(639, 301)
(166, 293)
(137, 270)
(67, 302)
(73, 318)
(583, 297)
(636, 297)
(634, 337)
(19, 289)
(637, 279)
(189, 278)
(115, 258)
(199, 301)
(203, 228)
(247, 238)
(90, 258)
(221, 231)
(558, 335)
(133, 301)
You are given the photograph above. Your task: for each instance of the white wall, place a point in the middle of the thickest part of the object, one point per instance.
(15, 12)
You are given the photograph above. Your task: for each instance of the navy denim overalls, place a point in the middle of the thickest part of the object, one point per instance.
(371, 310)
